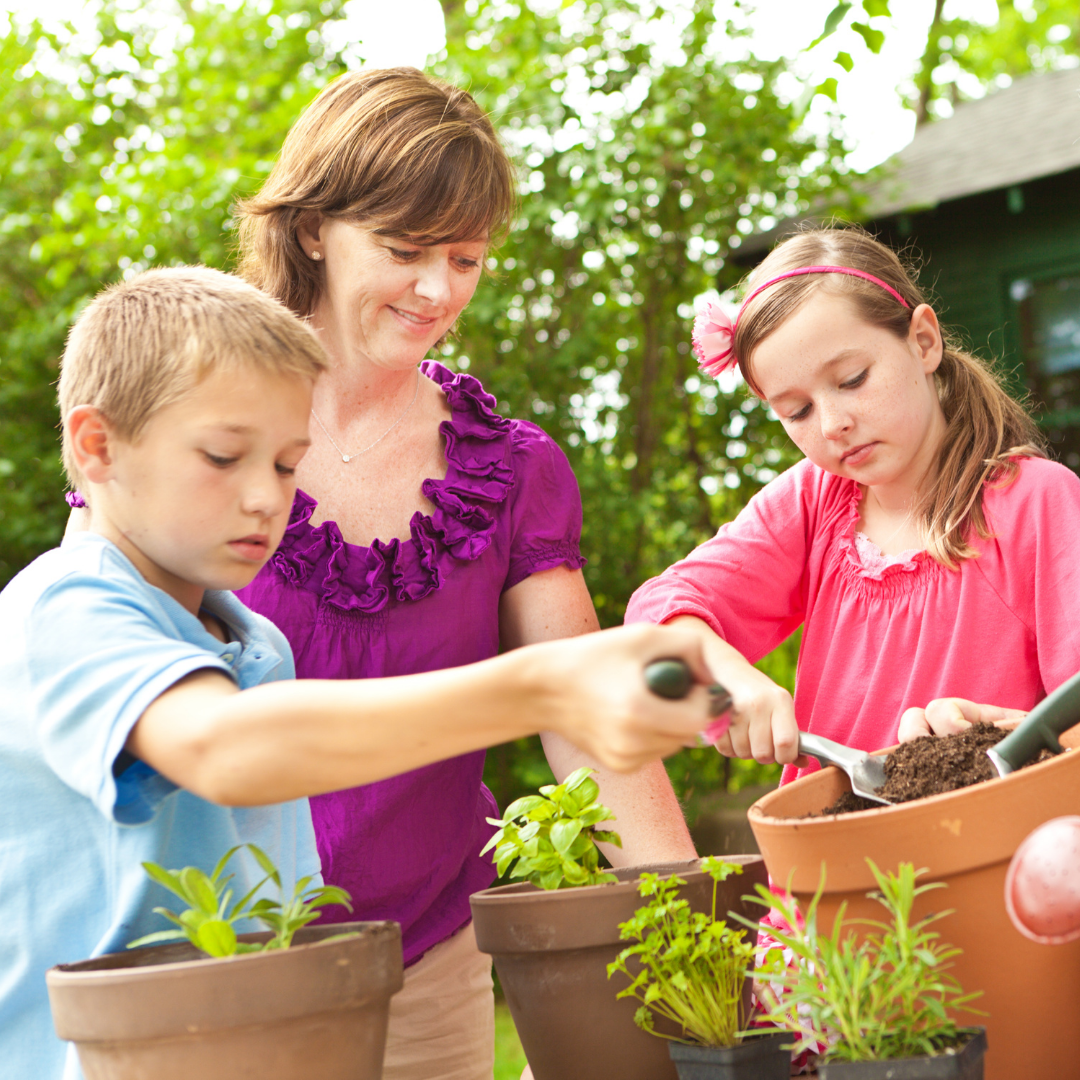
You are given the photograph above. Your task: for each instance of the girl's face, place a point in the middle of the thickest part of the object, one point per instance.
(857, 400)
(384, 299)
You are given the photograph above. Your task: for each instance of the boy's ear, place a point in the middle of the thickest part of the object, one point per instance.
(307, 233)
(90, 437)
(925, 337)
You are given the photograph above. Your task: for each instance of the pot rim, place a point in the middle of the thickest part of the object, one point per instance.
(74, 973)
(756, 813)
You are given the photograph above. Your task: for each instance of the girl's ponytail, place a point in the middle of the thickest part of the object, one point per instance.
(986, 430)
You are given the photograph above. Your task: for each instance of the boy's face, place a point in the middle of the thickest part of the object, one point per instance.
(202, 499)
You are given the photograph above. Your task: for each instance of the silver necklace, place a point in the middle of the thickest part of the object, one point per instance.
(348, 457)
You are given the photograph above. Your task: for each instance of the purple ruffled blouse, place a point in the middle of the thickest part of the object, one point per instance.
(408, 848)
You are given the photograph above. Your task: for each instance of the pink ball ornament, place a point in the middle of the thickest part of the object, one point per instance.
(1042, 887)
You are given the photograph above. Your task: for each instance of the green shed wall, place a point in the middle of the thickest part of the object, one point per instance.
(972, 249)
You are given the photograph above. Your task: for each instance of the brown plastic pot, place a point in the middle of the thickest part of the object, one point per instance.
(758, 1057)
(964, 1064)
(551, 951)
(317, 1009)
(963, 838)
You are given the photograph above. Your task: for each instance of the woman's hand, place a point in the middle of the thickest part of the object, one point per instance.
(949, 716)
(763, 723)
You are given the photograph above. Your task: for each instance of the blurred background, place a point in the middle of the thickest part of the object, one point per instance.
(662, 145)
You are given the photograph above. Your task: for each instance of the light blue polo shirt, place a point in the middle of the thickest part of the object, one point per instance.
(85, 646)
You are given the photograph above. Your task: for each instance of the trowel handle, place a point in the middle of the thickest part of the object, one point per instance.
(829, 752)
(1057, 712)
(673, 679)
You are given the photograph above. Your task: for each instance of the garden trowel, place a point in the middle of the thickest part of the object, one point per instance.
(672, 679)
(1039, 730)
(866, 771)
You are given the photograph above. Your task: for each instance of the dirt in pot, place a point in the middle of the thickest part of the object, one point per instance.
(932, 765)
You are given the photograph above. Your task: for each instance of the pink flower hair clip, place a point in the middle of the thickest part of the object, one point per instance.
(714, 340)
(714, 332)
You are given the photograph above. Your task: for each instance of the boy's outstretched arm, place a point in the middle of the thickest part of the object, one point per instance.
(284, 740)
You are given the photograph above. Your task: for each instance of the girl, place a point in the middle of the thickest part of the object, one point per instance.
(924, 544)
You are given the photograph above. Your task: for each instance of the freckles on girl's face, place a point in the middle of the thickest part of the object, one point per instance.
(856, 399)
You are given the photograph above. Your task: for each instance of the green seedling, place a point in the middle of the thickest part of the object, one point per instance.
(550, 839)
(690, 966)
(886, 997)
(208, 922)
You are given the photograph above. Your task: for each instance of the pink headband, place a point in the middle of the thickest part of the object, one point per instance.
(714, 332)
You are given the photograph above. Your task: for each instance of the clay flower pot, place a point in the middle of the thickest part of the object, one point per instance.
(759, 1057)
(964, 838)
(551, 951)
(317, 1009)
(965, 1064)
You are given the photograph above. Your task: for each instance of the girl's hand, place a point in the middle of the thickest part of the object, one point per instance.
(949, 716)
(762, 715)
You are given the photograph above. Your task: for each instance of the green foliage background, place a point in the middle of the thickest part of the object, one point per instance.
(128, 137)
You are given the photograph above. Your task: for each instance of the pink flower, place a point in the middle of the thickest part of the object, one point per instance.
(713, 339)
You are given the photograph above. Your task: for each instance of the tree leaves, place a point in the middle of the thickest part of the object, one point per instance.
(832, 22)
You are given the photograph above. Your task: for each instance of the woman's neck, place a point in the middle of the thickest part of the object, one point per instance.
(358, 389)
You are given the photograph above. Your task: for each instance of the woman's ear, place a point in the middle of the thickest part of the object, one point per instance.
(924, 335)
(90, 437)
(308, 229)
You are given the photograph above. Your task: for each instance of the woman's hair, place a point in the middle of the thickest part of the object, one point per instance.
(986, 428)
(401, 153)
(143, 344)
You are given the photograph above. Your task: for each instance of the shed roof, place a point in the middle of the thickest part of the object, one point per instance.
(1027, 130)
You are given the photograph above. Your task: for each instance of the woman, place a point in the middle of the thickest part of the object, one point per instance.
(429, 532)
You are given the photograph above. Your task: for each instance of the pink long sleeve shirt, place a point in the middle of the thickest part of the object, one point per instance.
(1002, 629)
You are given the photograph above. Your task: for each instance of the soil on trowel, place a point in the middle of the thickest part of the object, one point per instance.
(931, 765)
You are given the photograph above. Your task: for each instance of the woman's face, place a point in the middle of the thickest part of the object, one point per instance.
(386, 300)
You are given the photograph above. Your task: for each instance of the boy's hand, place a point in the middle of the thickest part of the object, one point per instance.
(602, 704)
(949, 716)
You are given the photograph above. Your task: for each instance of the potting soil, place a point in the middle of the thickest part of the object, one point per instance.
(931, 765)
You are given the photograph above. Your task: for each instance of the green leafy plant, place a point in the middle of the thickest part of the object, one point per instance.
(550, 839)
(885, 997)
(692, 965)
(208, 923)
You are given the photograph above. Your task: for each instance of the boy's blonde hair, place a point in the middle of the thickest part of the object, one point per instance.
(986, 427)
(143, 344)
(393, 149)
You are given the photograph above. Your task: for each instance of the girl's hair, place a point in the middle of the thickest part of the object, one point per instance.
(986, 428)
(404, 154)
(143, 344)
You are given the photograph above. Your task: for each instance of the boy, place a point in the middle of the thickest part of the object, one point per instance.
(146, 713)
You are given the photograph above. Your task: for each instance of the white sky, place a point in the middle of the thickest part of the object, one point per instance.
(876, 125)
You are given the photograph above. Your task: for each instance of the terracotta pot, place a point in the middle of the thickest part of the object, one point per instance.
(965, 1065)
(317, 1009)
(551, 951)
(964, 838)
(759, 1057)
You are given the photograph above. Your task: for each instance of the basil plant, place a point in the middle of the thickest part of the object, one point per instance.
(550, 839)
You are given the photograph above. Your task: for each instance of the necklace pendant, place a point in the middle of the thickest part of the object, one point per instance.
(346, 457)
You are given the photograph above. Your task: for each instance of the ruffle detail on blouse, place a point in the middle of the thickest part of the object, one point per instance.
(886, 575)
(875, 562)
(479, 476)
